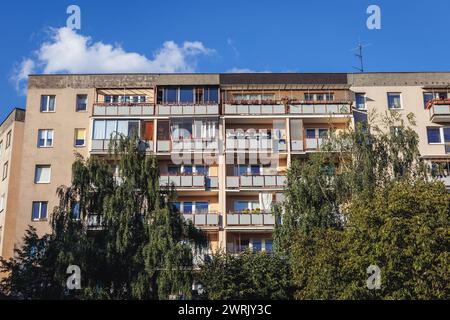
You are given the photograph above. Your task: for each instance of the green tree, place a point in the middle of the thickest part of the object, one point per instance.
(245, 276)
(142, 248)
(338, 217)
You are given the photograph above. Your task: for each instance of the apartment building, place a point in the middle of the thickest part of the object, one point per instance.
(224, 140)
(11, 139)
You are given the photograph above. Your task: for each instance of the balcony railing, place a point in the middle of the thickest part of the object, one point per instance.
(102, 145)
(247, 108)
(209, 219)
(256, 181)
(439, 110)
(188, 109)
(320, 107)
(188, 145)
(250, 219)
(189, 181)
(123, 109)
(247, 143)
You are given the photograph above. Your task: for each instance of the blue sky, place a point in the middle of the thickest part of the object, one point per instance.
(213, 36)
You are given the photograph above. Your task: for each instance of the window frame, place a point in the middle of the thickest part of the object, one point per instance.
(46, 138)
(400, 98)
(49, 175)
(5, 170)
(40, 216)
(8, 139)
(76, 135)
(46, 110)
(77, 104)
(363, 95)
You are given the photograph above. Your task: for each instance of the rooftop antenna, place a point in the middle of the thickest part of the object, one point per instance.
(359, 55)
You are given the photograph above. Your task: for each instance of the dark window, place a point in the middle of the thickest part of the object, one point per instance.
(434, 135)
(47, 103)
(76, 211)
(311, 133)
(394, 101)
(39, 210)
(8, 139)
(257, 245)
(187, 207)
(447, 134)
(427, 96)
(186, 95)
(81, 102)
(171, 95)
(199, 95)
(163, 132)
(201, 207)
(360, 101)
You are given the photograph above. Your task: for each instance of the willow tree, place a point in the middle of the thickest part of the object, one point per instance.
(139, 248)
(337, 219)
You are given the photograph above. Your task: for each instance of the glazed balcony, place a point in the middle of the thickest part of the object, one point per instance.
(439, 110)
(101, 146)
(320, 108)
(257, 107)
(123, 109)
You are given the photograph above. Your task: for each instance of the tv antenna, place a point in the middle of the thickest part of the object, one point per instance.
(360, 56)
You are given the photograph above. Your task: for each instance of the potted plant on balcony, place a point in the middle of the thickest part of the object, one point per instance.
(246, 211)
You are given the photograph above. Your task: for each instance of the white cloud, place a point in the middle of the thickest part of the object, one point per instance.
(70, 52)
(245, 70)
(20, 74)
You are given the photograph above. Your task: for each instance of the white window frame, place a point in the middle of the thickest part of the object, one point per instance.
(46, 131)
(47, 106)
(75, 138)
(40, 211)
(49, 174)
(441, 134)
(194, 209)
(401, 100)
(2, 203)
(365, 100)
(5, 170)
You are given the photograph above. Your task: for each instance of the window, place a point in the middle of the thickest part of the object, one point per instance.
(45, 138)
(8, 139)
(147, 131)
(2, 203)
(319, 96)
(428, 96)
(39, 210)
(257, 245)
(163, 132)
(81, 103)
(1, 147)
(187, 207)
(107, 129)
(201, 207)
(310, 133)
(395, 130)
(360, 101)
(42, 174)
(76, 211)
(199, 95)
(268, 245)
(240, 206)
(188, 170)
(48, 103)
(5, 170)
(186, 95)
(434, 135)
(323, 133)
(80, 137)
(394, 101)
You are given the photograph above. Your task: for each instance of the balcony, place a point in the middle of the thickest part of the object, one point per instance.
(189, 181)
(256, 140)
(439, 110)
(254, 108)
(188, 109)
(94, 222)
(125, 109)
(256, 181)
(203, 220)
(250, 219)
(320, 108)
(102, 145)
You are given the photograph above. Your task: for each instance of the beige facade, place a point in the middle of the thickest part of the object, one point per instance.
(11, 140)
(224, 140)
